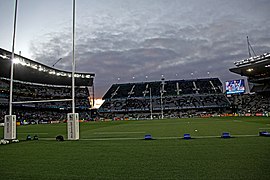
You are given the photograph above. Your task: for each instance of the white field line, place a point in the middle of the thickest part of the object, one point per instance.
(237, 121)
(110, 139)
(32, 133)
(47, 139)
(119, 132)
(156, 138)
(245, 135)
(265, 128)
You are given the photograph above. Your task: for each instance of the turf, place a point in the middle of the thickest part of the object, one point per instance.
(116, 150)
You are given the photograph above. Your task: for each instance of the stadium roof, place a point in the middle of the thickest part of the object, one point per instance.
(257, 67)
(27, 70)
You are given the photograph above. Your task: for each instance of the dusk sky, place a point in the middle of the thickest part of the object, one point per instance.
(139, 40)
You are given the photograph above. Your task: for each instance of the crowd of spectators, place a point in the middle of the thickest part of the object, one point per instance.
(169, 102)
(251, 104)
(42, 111)
(173, 97)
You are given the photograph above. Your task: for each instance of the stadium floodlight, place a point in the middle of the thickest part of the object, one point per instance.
(161, 95)
(16, 61)
(23, 63)
(151, 104)
(252, 59)
(34, 67)
(51, 72)
(4, 56)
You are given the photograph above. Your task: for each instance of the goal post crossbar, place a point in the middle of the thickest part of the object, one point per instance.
(41, 101)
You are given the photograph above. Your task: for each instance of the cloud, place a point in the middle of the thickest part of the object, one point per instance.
(197, 38)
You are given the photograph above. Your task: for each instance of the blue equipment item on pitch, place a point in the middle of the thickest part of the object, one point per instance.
(264, 133)
(187, 136)
(225, 135)
(148, 137)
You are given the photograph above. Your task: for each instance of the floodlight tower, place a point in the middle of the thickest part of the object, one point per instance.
(151, 103)
(161, 95)
(73, 118)
(10, 120)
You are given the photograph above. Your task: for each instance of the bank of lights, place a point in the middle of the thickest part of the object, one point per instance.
(252, 59)
(20, 61)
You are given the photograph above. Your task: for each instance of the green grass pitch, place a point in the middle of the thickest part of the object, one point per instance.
(116, 150)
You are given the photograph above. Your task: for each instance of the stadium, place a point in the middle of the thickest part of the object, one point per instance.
(167, 128)
(183, 123)
(142, 100)
(34, 82)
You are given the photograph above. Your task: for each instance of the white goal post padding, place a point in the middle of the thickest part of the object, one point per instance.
(10, 127)
(73, 126)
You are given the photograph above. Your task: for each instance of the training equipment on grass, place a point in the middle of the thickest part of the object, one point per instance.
(187, 136)
(59, 138)
(148, 137)
(15, 141)
(3, 141)
(264, 133)
(225, 135)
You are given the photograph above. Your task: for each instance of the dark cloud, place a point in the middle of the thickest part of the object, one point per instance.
(187, 39)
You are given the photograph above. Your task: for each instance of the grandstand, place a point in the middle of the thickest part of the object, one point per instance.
(36, 81)
(257, 71)
(176, 98)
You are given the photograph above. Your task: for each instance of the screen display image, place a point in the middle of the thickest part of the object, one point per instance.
(235, 86)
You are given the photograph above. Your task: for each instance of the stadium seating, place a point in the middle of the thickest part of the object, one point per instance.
(258, 103)
(42, 112)
(178, 95)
